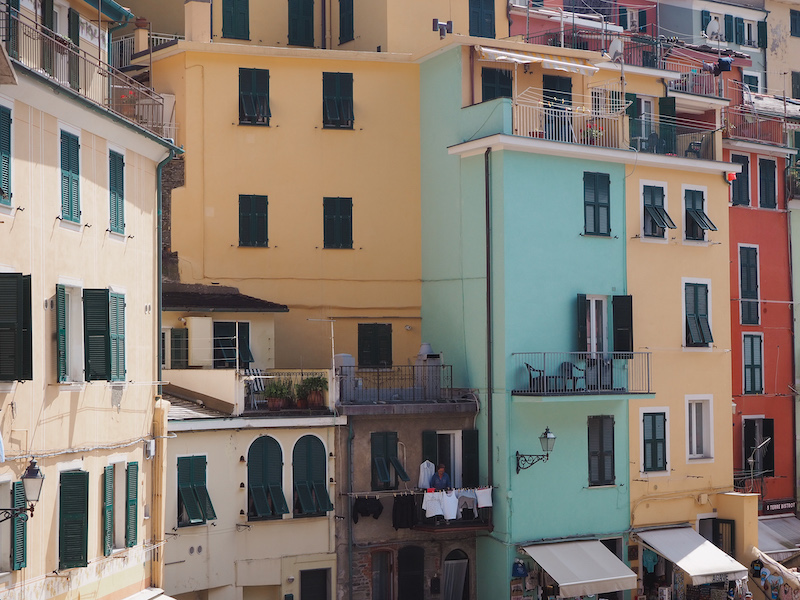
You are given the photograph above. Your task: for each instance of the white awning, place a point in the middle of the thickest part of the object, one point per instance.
(779, 536)
(694, 554)
(548, 61)
(583, 568)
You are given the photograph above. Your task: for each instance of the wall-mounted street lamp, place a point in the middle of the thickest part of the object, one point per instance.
(32, 480)
(548, 441)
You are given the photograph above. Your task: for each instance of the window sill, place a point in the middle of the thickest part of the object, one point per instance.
(607, 236)
(117, 237)
(190, 525)
(697, 348)
(337, 247)
(647, 474)
(338, 127)
(248, 124)
(603, 486)
(70, 225)
(7, 386)
(701, 459)
(7, 210)
(71, 384)
(253, 245)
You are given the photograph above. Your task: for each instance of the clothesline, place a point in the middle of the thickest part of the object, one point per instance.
(388, 493)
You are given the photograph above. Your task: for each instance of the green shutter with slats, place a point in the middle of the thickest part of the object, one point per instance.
(583, 334)
(186, 493)
(753, 364)
(623, 17)
(48, 50)
(108, 510)
(634, 112)
(729, 28)
(73, 58)
(96, 337)
(748, 285)
(61, 333)
(273, 475)
(19, 528)
(739, 30)
(253, 221)
(70, 178)
(5, 155)
(116, 176)
(116, 329)
(481, 18)
(301, 23)
(73, 520)
(430, 447)
(12, 29)
(601, 450)
(309, 472)
(131, 504)
(257, 486)
(16, 360)
(236, 19)
(338, 222)
(654, 441)
(380, 468)
(762, 34)
(199, 483)
(470, 466)
(705, 19)
(766, 183)
(346, 13)
(740, 189)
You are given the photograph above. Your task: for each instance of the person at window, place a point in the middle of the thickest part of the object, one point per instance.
(440, 479)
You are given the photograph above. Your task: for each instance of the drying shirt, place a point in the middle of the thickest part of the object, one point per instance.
(404, 513)
(484, 496)
(468, 500)
(450, 505)
(432, 504)
(426, 471)
(365, 507)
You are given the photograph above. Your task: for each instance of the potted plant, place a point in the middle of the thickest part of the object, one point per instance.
(310, 392)
(278, 393)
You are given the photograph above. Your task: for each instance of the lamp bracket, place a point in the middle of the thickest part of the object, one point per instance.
(525, 461)
(21, 513)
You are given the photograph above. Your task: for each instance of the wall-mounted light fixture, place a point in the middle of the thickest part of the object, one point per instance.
(548, 441)
(32, 480)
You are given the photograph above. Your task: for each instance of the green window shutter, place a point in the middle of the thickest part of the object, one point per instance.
(741, 185)
(693, 335)
(380, 468)
(766, 183)
(481, 18)
(794, 23)
(470, 465)
(131, 504)
(253, 221)
(19, 529)
(622, 20)
(634, 112)
(601, 450)
(583, 334)
(739, 28)
(310, 480)
(245, 355)
(705, 19)
(12, 28)
(236, 19)
(391, 453)
(73, 26)
(108, 510)
(116, 176)
(702, 312)
(346, 14)
(495, 83)
(430, 447)
(73, 520)
(254, 97)
(70, 178)
(273, 475)
(179, 348)
(589, 203)
(116, 329)
(667, 128)
(622, 311)
(227, 18)
(337, 100)
(301, 23)
(256, 481)
(729, 29)
(596, 204)
(384, 344)
(186, 493)
(762, 34)
(16, 358)
(795, 84)
(748, 285)
(61, 329)
(338, 222)
(753, 364)
(200, 489)
(5, 155)
(654, 441)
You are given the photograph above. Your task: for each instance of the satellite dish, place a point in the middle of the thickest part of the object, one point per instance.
(712, 29)
(615, 49)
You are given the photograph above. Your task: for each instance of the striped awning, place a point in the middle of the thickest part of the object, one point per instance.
(548, 61)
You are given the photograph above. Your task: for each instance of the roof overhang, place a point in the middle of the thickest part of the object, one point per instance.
(758, 148)
(633, 69)
(779, 537)
(112, 10)
(548, 61)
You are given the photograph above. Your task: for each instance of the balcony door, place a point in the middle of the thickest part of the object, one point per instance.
(596, 325)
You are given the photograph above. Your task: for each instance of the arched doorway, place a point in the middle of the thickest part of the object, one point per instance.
(456, 576)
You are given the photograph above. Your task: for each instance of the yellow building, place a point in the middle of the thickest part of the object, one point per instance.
(81, 149)
(783, 73)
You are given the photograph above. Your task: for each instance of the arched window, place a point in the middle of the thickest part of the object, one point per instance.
(265, 497)
(456, 576)
(310, 479)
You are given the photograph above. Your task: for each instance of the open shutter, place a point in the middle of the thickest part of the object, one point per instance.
(666, 111)
(380, 468)
(19, 529)
(131, 504)
(705, 19)
(97, 338)
(470, 466)
(191, 505)
(583, 336)
(608, 449)
(61, 333)
(634, 112)
(391, 453)
(622, 309)
(5, 155)
(273, 476)
(729, 35)
(595, 441)
(199, 484)
(108, 510)
(430, 447)
(602, 190)
(762, 34)
(73, 519)
(116, 328)
(702, 313)
(739, 33)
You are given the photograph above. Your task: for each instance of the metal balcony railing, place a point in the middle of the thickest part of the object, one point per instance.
(563, 123)
(638, 51)
(693, 80)
(44, 52)
(122, 48)
(743, 123)
(580, 373)
(671, 136)
(400, 384)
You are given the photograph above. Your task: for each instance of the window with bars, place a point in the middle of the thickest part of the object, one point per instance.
(654, 441)
(596, 203)
(656, 218)
(337, 223)
(697, 221)
(265, 499)
(70, 178)
(194, 502)
(309, 471)
(601, 450)
(337, 101)
(253, 221)
(753, 357)
(16, 344)
(254, 97)
(495, 83)
(116, 188)
(748, 285)
(698, 323)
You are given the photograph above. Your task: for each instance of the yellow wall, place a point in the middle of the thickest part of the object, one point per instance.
(783, 49)
(296, 163)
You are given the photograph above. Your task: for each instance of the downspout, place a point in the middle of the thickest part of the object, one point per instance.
(159, 253)
(324, 24)
(110, 31)
(350, 507)
(489, 334)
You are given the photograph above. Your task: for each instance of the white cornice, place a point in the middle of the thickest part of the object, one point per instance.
(254, 423)
(758, 147)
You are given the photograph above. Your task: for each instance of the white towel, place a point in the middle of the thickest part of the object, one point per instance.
(484, 496)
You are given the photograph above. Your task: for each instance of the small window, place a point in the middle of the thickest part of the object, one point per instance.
(104, 336)
(337, 222)
(236, 19)
(698, 325)
(253, 221)
(697, 221)
(753, 364)
(752, 83)
(748, 285)
(698, 423)
(495, 83)
(5, 156)
(597, 218)
(740, 189)
(73, 519)
(194, 503)
(345, 21)
(265, 499)
(309, 471)
(654, 441)
(656, 219)
(70, 178)
(337, 100)
(386, 466)
(794, 23)
(116, 187)
(601, 450)
(232, 344)
(759, 446)
(374, 345)
(766, 183)
(254, 97)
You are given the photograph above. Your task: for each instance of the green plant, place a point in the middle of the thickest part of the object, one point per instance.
(279, 388)
(315, 383)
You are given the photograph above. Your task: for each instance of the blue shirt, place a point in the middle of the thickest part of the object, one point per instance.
(440, 483)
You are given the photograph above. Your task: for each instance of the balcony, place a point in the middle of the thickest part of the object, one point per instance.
(693, 80)
(639, 51)
(467, 521)
(743, 123)
(404, 384)
(793, 183)
(122, 48)
(580, 373)
(671, 136)
(59, 61)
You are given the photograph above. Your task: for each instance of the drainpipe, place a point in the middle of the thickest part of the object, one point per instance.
(350, 507)
(159, 252)
(489, 335)
(324, 25)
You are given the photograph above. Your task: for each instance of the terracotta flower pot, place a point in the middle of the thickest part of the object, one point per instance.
(316, 399)
(275, 403)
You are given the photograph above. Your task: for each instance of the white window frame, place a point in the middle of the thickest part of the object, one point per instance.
(456, 465)
(752, 40)
(697, 188)
(120, 464)
(642, 412)
(707, 404)
(707, 283)
(759, 158)
(757, 75)
(591, 325)
(753, 334)
(663, 185)
(758, 283)
(73, 291)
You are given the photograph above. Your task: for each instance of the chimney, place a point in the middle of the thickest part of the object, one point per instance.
(197, 16)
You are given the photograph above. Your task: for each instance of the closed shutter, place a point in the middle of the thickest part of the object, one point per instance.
(430, 447)
(729, 28)
(762, 34)
(15, 327)
(253, 221)
(766, 183)
(131, 505)
(384, 343)
(654, 441)
(470, 465)
(73, 519)
(301, 467)
(741, 185)
(487, 19)
(753, 364)
(19, 528)
(236, 19)
(108, 510)
(116, 328)
(5, 155)
(179, 348)
(301, 22)
(748, 282)
(693, 336)
(623, 17)
(346, 32)
(117, 192)
(795, 84)
(338, 222)
(702, 313)
(601, 450)
(634, 112)
(666, 111)
(622, 309)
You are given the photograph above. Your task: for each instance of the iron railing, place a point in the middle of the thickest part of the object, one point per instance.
(693, 80)
(122, 48)
(44, 52)
(257, 382)
(638, 51)
(673, 137)
(468, 518)
(563, 123)
(743, 123)
(400, 384)
(580, 373)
